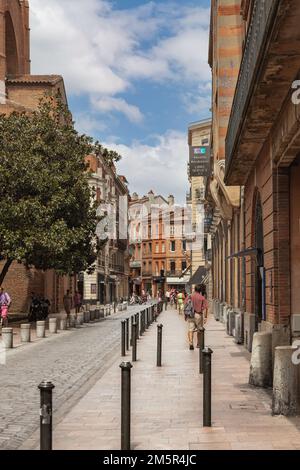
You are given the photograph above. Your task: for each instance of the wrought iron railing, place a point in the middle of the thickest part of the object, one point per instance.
(261, 21)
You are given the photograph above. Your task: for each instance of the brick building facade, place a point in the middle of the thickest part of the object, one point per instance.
(255, 60)
(21, 91)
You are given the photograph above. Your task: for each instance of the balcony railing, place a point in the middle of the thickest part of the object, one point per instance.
(174, 273)
(262, 14)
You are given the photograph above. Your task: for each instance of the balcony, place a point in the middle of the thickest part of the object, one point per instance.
(269, 65)
(174, 273)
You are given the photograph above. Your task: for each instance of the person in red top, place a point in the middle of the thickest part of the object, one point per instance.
(200, 307)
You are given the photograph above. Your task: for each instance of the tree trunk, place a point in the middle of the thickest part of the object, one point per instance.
(5, 270)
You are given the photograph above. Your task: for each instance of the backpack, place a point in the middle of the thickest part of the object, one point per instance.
(189, 309)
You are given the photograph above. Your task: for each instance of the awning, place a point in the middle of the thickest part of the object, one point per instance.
(198, 277)
(178, 280)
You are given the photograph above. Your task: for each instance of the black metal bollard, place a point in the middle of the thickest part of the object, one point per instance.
(137, 321)
(201, 344)
(147, 318)
(142, 322)
(207, 352)
(134, 342)
(131, 329)
(125, 404)
(127, 334)
(159, 344)
(114, 307)
(46, 389)
(123, 338)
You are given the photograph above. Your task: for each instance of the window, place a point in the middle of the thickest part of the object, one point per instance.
(150, 247)
(183, 245)
(163, 248)
(172, 245)
(183, 266)
(172, 230)
(157, 248)
(172, 266)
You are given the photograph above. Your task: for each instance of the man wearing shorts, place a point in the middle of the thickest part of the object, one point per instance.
(200, 315)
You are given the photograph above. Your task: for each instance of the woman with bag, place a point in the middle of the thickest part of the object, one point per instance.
(5, 302)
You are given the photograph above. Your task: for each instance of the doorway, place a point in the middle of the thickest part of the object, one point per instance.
(259, 268)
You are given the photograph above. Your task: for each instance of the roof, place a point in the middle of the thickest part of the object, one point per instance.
(35, 79)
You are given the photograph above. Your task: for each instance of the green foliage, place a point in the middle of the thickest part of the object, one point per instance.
(47, 219)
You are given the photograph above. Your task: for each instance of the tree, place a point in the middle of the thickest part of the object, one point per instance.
(47, 218)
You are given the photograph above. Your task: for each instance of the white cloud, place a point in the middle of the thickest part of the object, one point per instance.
(161, 167)
(101, 50)
(118, 104)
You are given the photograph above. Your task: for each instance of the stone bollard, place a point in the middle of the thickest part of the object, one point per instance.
(285, 382)
(63, 323)
(88, 316)
(7, 337)
(102, 311)
(120, 307)
(40, 329)
(92, 315)
(52, 325)
(25, 333)
(73, 321)
(97, 314)
(261, 360)
(80, 318)
(231, 321)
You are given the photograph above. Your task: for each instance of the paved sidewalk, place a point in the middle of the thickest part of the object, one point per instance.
(167, 402)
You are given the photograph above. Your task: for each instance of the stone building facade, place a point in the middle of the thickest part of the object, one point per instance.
(254, 191)
(21, 91)
(160, 252)
(110, 280)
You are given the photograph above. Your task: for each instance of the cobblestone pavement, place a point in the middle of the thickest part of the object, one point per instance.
(73, 360)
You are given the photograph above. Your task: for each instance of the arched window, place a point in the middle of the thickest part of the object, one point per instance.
(11, 51)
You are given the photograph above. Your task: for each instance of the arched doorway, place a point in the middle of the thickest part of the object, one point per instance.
(259, 265)
(11, 50)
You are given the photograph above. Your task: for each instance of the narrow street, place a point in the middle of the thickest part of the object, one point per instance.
(73, 360)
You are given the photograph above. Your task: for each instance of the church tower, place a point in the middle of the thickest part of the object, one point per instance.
(14, 39)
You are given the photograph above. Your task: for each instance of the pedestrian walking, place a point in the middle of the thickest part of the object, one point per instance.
(196, 314)
(5, 302)
(68, 304)
(77, 301)
(180, 302)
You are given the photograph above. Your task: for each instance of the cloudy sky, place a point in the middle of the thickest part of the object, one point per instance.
(136, 75)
